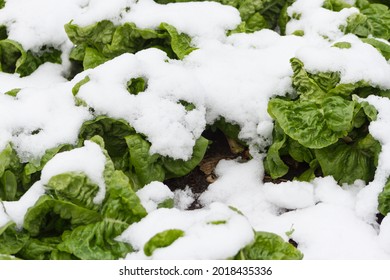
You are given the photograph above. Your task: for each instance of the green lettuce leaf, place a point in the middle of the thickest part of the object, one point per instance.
(349, 162)
(45, 248)
(14, 59)
(10, 175)
(12, 240)
(335, 5)
(384, 200)
(273, 163)
(162, 239)
(314, 124)
(102, 41)
(121, 208)
(178, 168)
(113, 132)
(268, 246)
(145, 166)
(255, 14)
(51, 216)
(373, 19)
(96, 241)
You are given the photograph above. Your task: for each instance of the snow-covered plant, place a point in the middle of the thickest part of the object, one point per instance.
(103, 102)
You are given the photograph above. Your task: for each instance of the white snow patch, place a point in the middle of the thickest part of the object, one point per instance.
(17, 209)
(384, 234)
(367, 199)
(202, 238)
(153, 194)
(183, 198)
(290, 195)
(315, 21)
(198, 19)
(326, 231)
(352, 65)
(49, 118)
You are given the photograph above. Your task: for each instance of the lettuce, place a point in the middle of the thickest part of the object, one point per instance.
(373, 19)
(66, 223)
(325, 127)
(255, 14)
(268, 246)
(130, 152)
(347, 162)
(161, 240)
(384, 200)
(14, 59)
(102, 41)
(10, 175)
(154, 167)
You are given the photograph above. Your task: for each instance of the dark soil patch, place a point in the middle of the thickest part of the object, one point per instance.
(203, 175)
(379, 218)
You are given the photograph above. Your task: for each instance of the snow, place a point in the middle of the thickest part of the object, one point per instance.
(49, 118)
(315, 21)
(367, 202)
(231, 77)
(384, 234)
(321, 213)
(183, 198)
(17, 209)
(353, 67)
(197, 19)
(153, 194)
(203, 239)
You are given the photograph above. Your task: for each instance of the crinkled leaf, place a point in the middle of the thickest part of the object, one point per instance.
(146, 167)
(51, 216)
(180, 42)
(268, 246)
(96, 241)
(136, 85)
(335, 5)
(314, 125)
(113, 132)
(10, 174)
(14, 59)
(161, 240)
(12, 240)
(384, 200)
(374, 19)
(121, 201)
(93, 58)
(178, 168)
(349, 162)
(102, 41)
(73, 187)
(43, 249)
(273, 163)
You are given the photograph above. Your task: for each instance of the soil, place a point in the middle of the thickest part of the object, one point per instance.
(203, 175)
